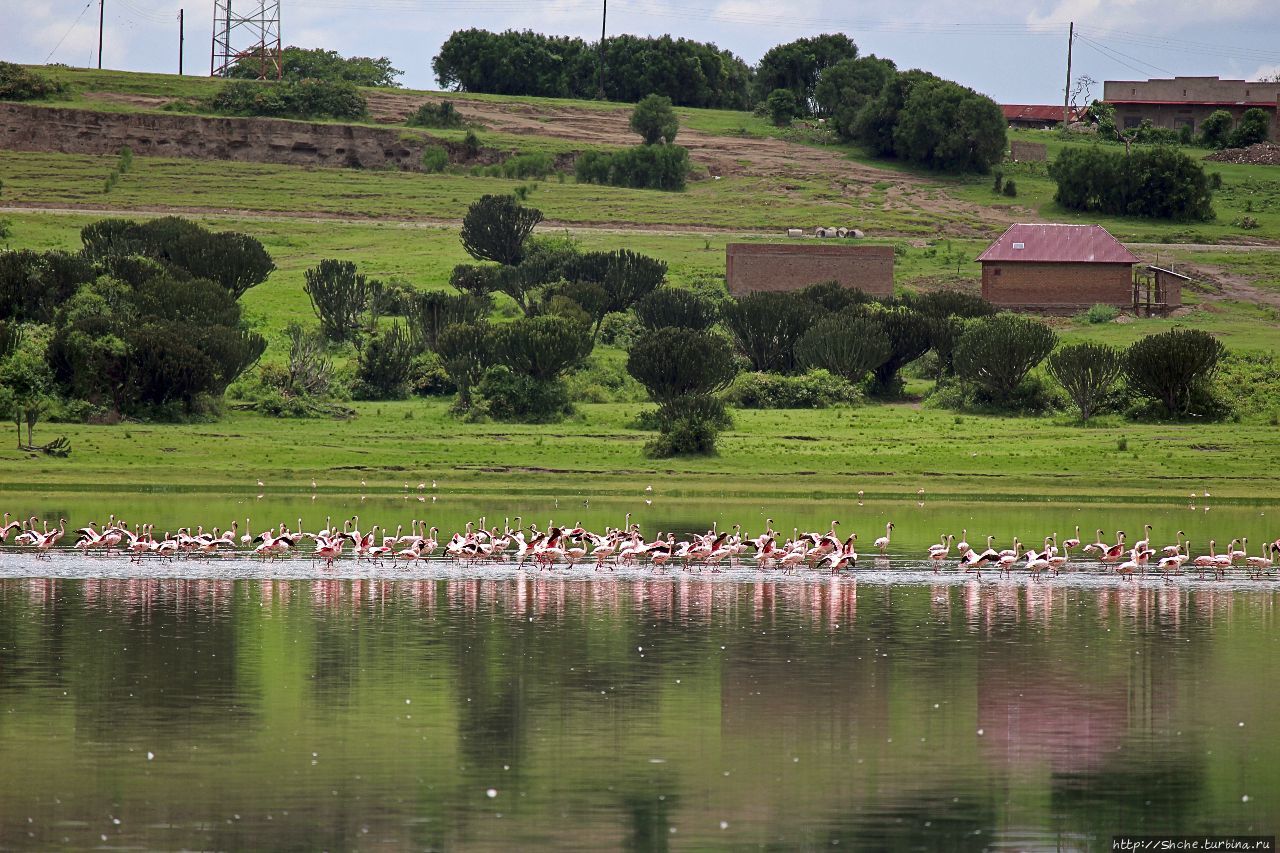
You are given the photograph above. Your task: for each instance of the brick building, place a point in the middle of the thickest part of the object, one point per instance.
(1057, 269)
(1189, 101)
(792, 266)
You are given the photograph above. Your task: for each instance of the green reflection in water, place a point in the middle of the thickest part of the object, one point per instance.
(611, 714)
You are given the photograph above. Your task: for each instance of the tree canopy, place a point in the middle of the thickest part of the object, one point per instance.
(798, 65)
(690, 73)
(299, 63)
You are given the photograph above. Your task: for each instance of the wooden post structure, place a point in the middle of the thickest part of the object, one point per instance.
(604, 16)
(181, 37)
(102, 17)
(1066, 93)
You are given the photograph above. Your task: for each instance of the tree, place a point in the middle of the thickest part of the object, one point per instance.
(782, 107)
(690, 73)
(340, 297)
(19, 84)
(998, 352)
(1215, 130)
(950, 303)
(542, 348)
(1170, 365)
(1086, 372)
(676, 307)
(875, 123)
(26, 375)
(236, 261)
(681, 369)
(430, 312)
(625, 277)
(847, 345)
(496, 228)
(674, 363)
(297, 63)
(833, 297)
(798, 65)
(464, 348)
(766, 326)
(908, 332)
(655, 120)
(846, 87)
(1254, 127)
(950, 127)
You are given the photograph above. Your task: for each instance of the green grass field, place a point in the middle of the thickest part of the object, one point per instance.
(886, 450)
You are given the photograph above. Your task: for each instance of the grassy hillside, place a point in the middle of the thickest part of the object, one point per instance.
(403, 226)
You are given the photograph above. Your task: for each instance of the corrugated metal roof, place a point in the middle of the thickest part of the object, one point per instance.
(1035, 112)
(1049, 243)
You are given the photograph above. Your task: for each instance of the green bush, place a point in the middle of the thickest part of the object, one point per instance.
(309, 98)
(464, 349)
(441, 115)
(428, 377)
(1252, 128)
(620, 330)
(653, 167)
(435, 158)
(655, 120)
(816, 389)
(996, 353)
(506, 395)
(1174, 368)
(601, 380)
(1100, 313)
(1087, 373)
(1216, 129)
(383, 366)
(782, 107)
(522, 166)
(1011, 188)
(689, 428)
(19, 84)
(1161, 183)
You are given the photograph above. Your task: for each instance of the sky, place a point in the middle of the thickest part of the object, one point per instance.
(1013, 51)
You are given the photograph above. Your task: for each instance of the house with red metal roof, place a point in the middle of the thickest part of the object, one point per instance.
(1059, 269)
(1036, 116)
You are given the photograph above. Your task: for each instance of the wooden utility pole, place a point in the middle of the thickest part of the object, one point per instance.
(604, 16)
(1066, 93)
(102, 17)
(181, 37)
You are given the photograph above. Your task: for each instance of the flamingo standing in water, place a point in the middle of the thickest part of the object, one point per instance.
(883, 542)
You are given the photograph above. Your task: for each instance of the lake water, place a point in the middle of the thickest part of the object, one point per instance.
(217, 704)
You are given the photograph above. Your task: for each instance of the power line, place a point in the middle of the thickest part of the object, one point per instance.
(1115, 54)
(68, 32)
(1105, 55)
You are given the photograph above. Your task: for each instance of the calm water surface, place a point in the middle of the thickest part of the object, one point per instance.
(647, 713)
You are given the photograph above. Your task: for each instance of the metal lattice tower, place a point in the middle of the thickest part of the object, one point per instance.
(246, 31)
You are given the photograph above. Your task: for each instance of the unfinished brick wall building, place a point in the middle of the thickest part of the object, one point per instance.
(791, 266)
(1188, 101)
(1057, 269)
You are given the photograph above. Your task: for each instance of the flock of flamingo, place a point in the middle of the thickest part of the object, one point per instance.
(825, 551)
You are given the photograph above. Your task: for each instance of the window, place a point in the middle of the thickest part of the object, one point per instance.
(1184, 93)
(995, 270)
(1133, 91)
(1131, 122)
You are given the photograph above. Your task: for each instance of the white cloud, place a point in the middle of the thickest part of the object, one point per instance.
(1266, 72)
